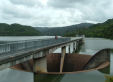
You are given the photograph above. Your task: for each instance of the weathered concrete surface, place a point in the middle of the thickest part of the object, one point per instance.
(53, 62)
(41, 65)
(72, 62)
(23, 67)
(75, 62)
(99, 58)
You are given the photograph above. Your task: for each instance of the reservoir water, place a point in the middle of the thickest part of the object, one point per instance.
(91, 46)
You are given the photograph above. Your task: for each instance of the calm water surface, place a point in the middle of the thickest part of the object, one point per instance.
(91, 46)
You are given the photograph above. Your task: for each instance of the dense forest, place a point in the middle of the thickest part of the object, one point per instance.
(52, 31)
(103, 30)
(17, 30)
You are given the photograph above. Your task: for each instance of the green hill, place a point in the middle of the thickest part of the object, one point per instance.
(17, 30)
(52, 31)
(103, 30)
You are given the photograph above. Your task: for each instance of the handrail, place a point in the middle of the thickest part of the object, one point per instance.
(19, 45)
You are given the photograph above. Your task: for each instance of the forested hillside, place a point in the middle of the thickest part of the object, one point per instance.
(104, 30)
(61, 30)
(17, 30)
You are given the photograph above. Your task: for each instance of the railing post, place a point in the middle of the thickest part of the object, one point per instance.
(69, 49)
(62, 58)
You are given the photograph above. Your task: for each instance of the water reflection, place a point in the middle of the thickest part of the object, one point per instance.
(10, 75)
(93, 76)
(47, 78)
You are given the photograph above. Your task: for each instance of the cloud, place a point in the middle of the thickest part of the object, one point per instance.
(91, 10)
(75, 3)
(55, 12)
(25, 2)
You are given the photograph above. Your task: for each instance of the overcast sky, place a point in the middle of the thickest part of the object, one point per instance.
(55, 12)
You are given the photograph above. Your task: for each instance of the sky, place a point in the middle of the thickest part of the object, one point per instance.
(54, 13)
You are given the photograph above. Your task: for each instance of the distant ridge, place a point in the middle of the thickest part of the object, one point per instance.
(61, 30)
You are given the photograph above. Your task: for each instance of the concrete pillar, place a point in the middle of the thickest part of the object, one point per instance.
(74, 47)
(82, 41)
(40, 65)
(69, 49)
(34, 65)
(62, 58)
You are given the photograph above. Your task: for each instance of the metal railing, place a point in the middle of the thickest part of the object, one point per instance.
(26, 44)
